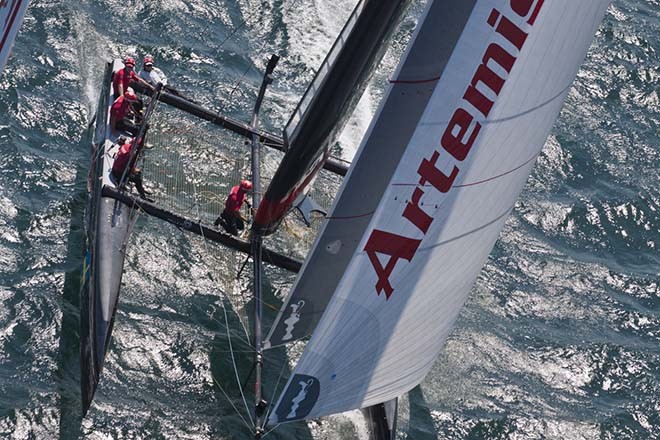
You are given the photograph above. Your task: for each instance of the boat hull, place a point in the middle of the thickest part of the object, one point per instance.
(381, 420)
(107, 228)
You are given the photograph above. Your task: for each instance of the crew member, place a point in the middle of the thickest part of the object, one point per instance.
(122, 115)
(149, 73)
(231, 218)
(121, 163)
(153, 75)
(121, 79)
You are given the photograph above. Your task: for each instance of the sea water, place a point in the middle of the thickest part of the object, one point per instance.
(560, 338)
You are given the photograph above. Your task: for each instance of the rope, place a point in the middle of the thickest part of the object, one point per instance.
(250, 425)
(233, 360)
(224, 310)
(273, 396)
(235, 286)
(271, 430)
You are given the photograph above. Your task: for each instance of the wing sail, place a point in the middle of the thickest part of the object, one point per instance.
(457, 179)
(327, 104)
(392, 128)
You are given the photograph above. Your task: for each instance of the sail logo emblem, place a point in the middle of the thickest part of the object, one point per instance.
(293, 318)
(299, 398)
(460, 134)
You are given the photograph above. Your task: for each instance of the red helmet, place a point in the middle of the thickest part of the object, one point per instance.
(147, 60)
(246, 185)
(130, 95)
(129, 61)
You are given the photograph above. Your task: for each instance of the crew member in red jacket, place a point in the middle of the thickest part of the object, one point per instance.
(121, 79)
(231, 218)
(121, 163)
(122, 114)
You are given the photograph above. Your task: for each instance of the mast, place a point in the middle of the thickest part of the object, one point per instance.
(256, 242)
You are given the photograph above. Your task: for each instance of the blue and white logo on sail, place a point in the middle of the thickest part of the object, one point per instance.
(299, 398)
(293, 318)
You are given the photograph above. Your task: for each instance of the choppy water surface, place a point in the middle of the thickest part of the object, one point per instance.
(561, 336)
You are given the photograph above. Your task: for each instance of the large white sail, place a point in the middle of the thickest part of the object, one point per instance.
(11, 17)
(491, 104)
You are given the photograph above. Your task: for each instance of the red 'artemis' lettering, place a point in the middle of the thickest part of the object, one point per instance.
(415, 214)
(522, 7)
(396, 246)
(511, 32)
(453, 141)
(454, 144)
(429, 173)
(490, 79)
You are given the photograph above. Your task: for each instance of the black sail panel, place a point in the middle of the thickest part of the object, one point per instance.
(326, 106)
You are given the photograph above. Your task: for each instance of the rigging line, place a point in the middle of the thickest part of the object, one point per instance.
(101, 150)
(235, 285)
(224, 296)
(235, 351)
(478, 182)
(277, 384)
(499, 175)
(251, 66)
(198, 213)
(349, 217)
(233, 357)
(477, 229)
(228, 399)
(233, 361)
(270, 306)
(133, 216)
(549, 101)
(271, 430)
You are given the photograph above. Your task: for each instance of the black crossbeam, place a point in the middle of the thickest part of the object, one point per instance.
(269, 256)
(234, 125)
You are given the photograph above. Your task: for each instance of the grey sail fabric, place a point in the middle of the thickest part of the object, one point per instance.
(385, 142)
(456, 179)
(11, 18)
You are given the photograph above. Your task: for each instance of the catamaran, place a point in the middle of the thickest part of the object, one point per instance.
(12, 13)
(449, 149)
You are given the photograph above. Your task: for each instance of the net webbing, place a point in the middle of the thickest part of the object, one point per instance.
(189, 166)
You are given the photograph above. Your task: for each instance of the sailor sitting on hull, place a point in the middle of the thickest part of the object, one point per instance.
(123, 116)
(231, 218)
(121, 163)
(122, 78)
(154, 76)
(149, 73)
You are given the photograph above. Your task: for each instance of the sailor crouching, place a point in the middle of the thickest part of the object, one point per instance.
(231, 218)
(121, 162)
(122, 114)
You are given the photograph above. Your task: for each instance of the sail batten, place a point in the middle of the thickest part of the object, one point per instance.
(381, 292)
